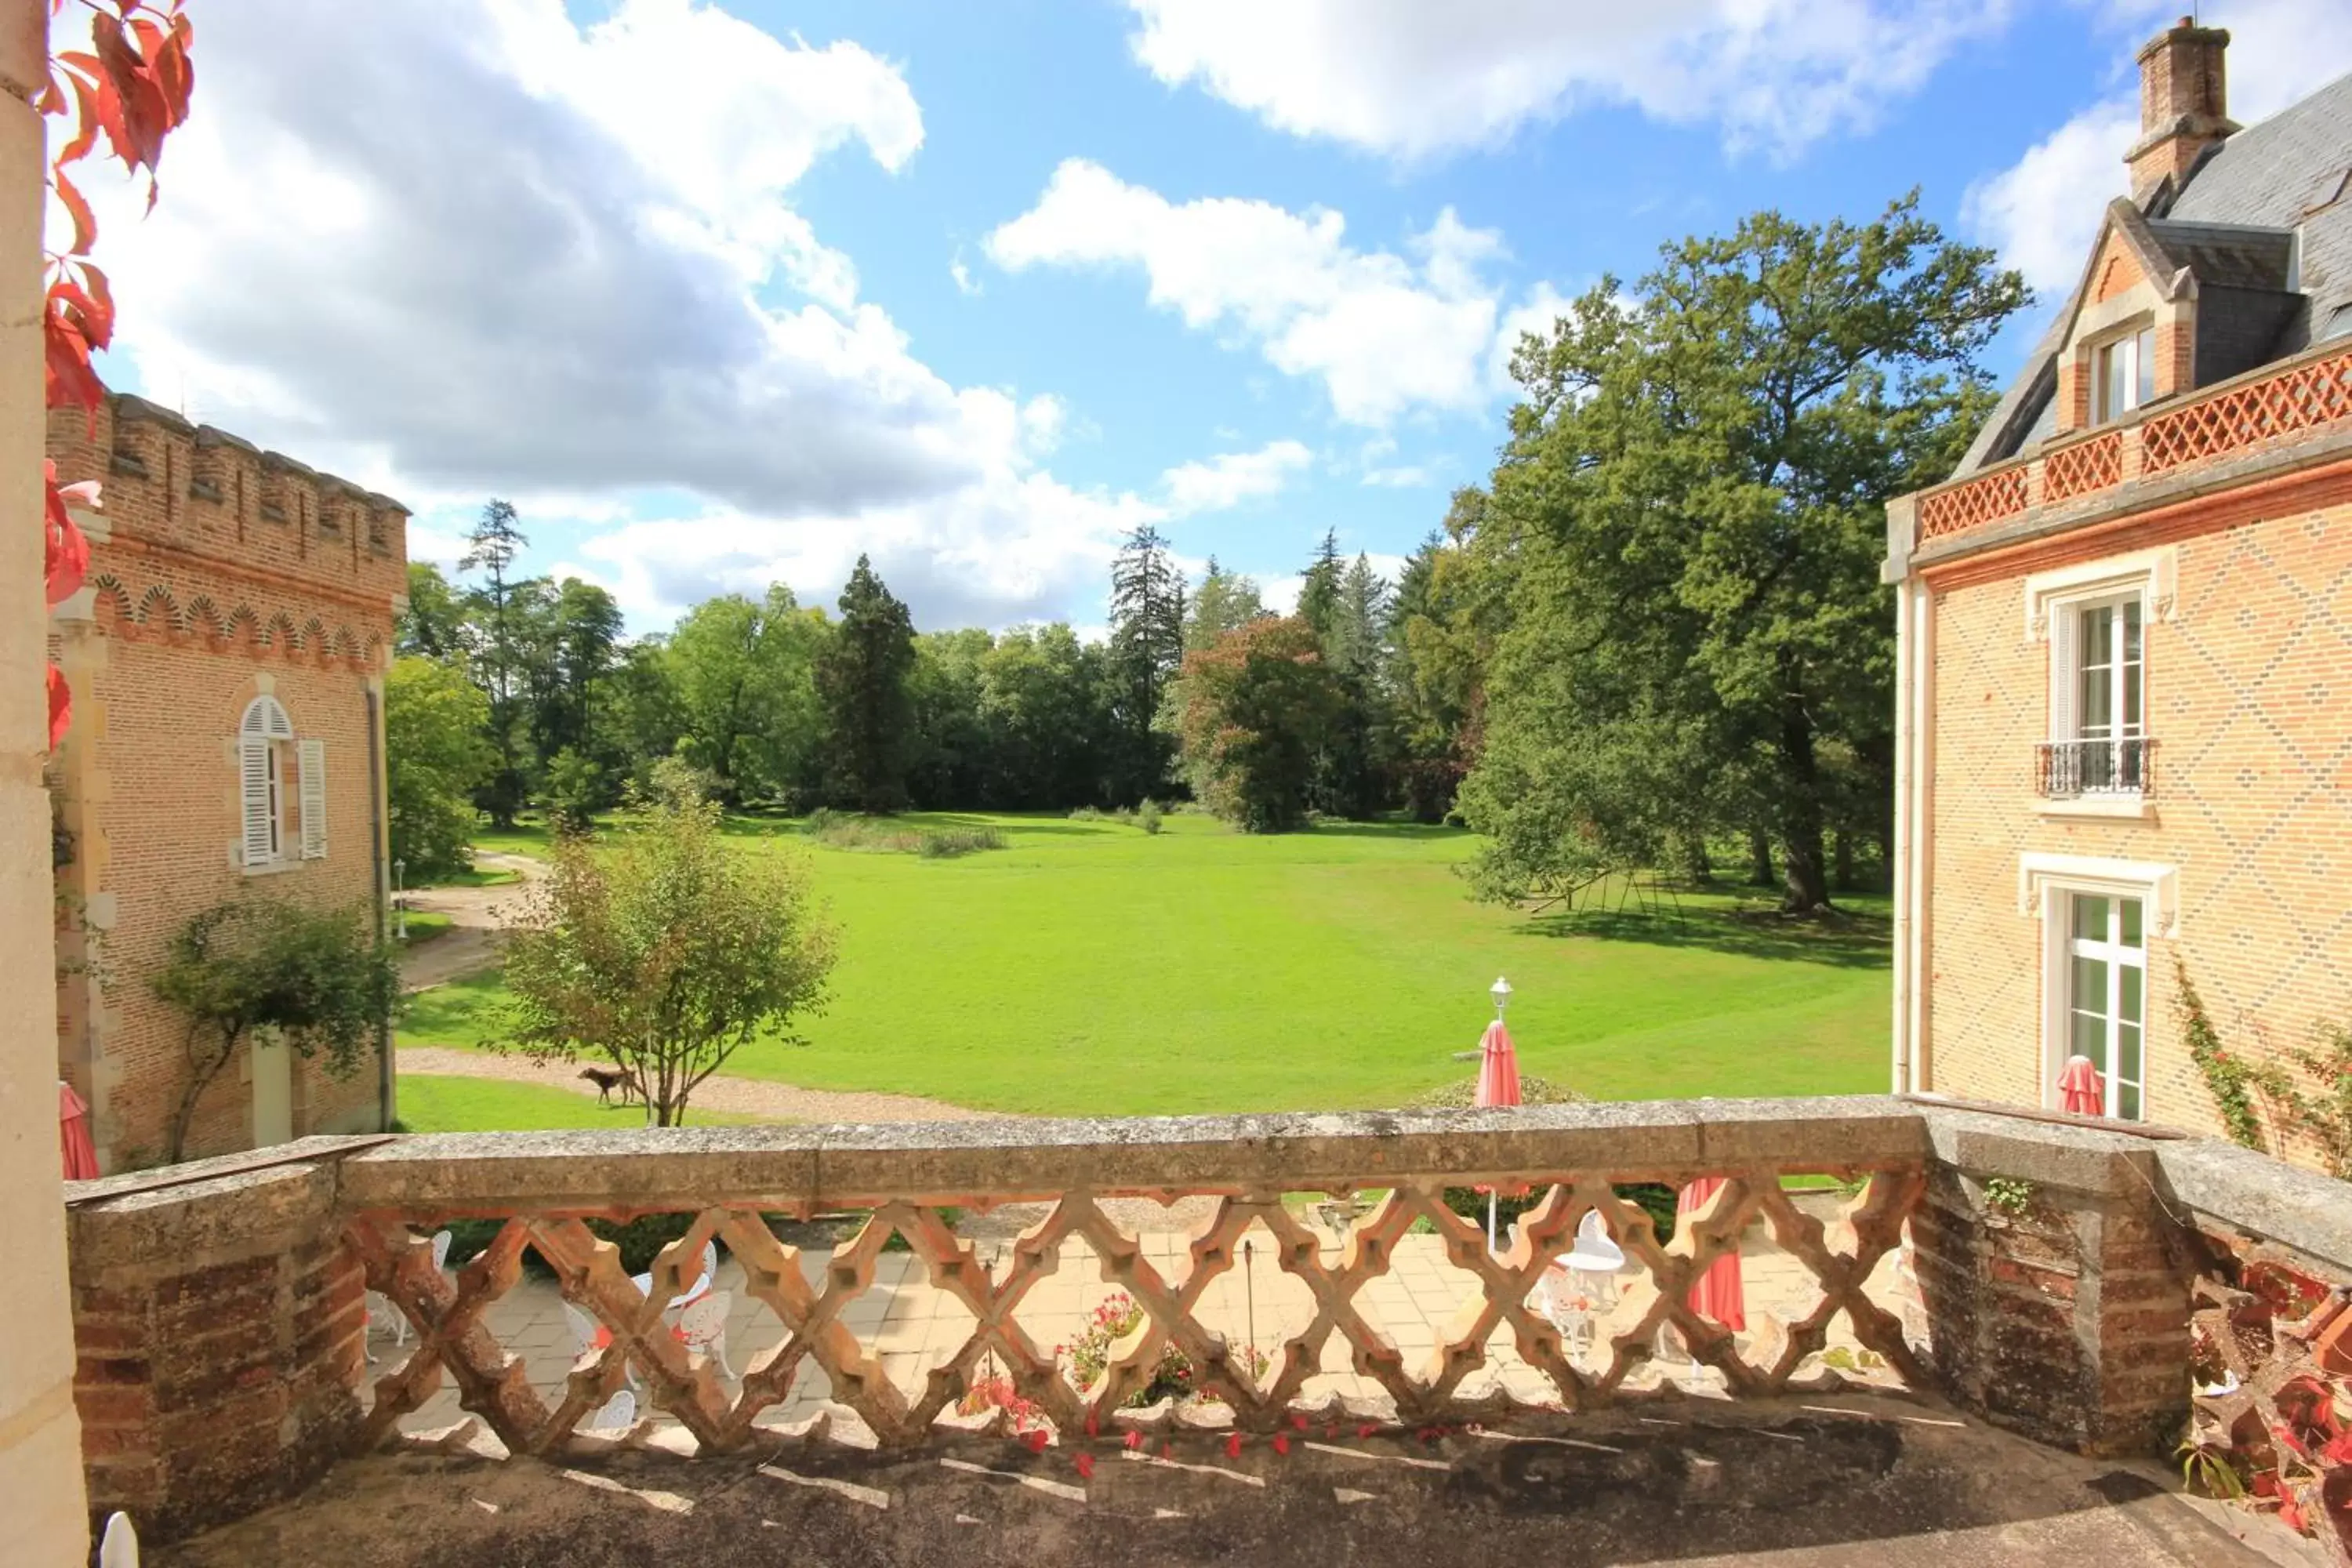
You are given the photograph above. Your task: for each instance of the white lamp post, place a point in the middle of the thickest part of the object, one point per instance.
(399, 905)
(1501, 991)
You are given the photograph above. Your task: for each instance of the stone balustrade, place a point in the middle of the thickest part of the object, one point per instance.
(224, 1329)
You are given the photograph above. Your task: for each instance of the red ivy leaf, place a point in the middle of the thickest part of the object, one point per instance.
(85, 224)
(2290, 1513)
(1282, 1442)
(1366, 1430)
(1233, 1446)
(1036, 1440)
(1085, 1463)
(1092, 1430)
(1135, 1439)
(61, 706)
(70, 383)
(1298, 1421)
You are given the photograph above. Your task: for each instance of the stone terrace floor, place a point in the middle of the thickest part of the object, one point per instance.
(1843, 1480)
(914, 1326)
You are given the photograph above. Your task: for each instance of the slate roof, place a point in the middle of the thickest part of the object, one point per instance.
(2269, 207)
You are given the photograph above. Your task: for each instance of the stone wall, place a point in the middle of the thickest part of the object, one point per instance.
(220, 1326)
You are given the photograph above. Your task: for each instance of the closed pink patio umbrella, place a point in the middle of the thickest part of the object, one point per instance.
(1498, 1077)
(1718, 1294)
(2080, 1088)
(73, 1135)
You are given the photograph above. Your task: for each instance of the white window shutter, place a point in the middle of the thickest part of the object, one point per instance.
(2065, 669)
(314, 800)
(253, 780)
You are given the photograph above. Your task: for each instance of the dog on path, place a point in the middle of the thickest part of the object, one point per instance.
(608, 1079)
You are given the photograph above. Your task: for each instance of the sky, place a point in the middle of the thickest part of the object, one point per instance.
(723, 293)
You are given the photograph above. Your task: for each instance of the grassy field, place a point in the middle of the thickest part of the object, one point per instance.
(435, 1104)
(1091, 968)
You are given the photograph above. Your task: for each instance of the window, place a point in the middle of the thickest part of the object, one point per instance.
(274, 813)
(2105, 979)
(2099, 757)
(2122, 375)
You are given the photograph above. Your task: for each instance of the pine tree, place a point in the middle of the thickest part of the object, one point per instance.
(1226, 601)
(1147, 645)
(492, 548)
(861, 677)
(1318, 593)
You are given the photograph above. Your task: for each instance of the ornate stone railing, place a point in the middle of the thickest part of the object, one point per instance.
(223, 1308)
(2278, 402)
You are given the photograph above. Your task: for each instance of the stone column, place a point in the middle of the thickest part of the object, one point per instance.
(41, 1441)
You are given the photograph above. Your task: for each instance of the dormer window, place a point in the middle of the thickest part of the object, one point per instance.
(2122, 375)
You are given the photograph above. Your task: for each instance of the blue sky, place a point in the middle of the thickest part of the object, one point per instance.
(725, 294)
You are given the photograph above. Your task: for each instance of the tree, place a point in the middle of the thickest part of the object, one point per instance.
(743, 676)
(948, 758)
(1689, 517)
(1346, 607)
(434, 625)
(436, 756)
(491, 548)
(664, 951)
(1226, 601)
(1318, 587)
(1043, 712)
(1437, 641)
(1147, 646)
(861, 680)
(1256, 707)
(319, 979)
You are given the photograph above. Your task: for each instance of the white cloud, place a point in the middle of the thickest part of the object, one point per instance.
(1403, 477)
(578, 281)
(964, 281)
(1384, 334)
(1543, 306)
(1410, 78)
(2042, 212)
(1231, 477)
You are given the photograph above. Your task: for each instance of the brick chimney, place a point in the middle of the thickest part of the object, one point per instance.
(2183, 103)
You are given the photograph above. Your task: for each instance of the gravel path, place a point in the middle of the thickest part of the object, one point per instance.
(745, 1096)
(475, 919)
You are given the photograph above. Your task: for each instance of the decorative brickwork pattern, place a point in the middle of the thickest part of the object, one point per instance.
(2300, 398)
(1997, 495)
(2090, 465)
(2246, 685)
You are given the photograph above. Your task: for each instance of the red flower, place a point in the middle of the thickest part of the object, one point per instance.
(1282, 1443)
(1233, 1446)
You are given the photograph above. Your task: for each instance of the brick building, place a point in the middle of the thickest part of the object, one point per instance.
(2126, 648)
(226, 659)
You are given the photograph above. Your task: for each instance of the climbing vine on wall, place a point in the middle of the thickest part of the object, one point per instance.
(2250, 1094)
(132, 86)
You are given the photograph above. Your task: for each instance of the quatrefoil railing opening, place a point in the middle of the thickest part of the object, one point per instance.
(1399, 1309)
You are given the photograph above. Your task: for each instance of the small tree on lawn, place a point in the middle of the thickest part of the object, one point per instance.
(664, 951)
(321, 978)
(1256, 706)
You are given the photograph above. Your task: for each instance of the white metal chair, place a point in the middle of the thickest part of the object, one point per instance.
(692, 1293)
(702, 1328)
(120, 1546)
(618, 1414)
(382, 1313)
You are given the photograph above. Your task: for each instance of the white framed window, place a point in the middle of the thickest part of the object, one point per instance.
(2098, 917)
(2106, 997)
(2095, 619)
(2122, 375)
(282, 789)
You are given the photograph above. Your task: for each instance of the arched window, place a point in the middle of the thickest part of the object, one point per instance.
(267, 753)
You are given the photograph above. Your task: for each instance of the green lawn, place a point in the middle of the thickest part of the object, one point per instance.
(1091, 968)
(423, 925)
(437, 1103)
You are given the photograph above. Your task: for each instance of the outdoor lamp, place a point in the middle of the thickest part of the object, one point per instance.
(1501, 991)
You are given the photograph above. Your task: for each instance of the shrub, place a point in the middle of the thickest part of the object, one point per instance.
(1085, 814)
(1119, 1316)
(1148, 816)
(1654, 1198)
(951, 842)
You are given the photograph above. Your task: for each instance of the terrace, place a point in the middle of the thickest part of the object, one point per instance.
(1939, 1301)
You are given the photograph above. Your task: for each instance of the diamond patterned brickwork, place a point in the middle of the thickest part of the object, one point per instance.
(2246, 688)
(2088, 465)
(2301, 397)
(1999, 494)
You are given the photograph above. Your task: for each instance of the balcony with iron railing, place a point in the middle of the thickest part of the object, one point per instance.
(2095, 769)
(1149, 1340)
(2269, 419)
